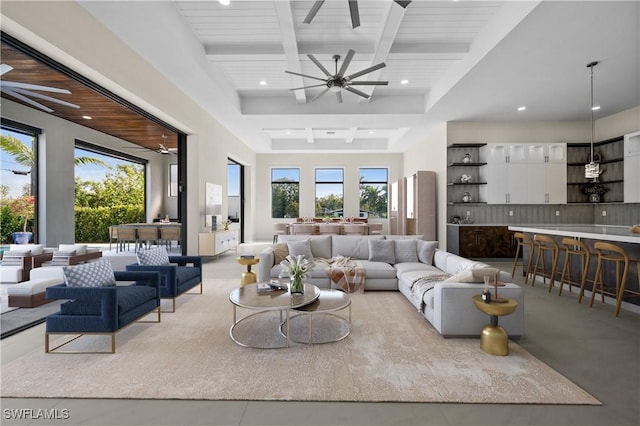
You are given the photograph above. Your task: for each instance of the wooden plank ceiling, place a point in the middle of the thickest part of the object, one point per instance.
(107, 115)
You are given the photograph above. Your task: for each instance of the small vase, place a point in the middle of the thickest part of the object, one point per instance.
(297, 285)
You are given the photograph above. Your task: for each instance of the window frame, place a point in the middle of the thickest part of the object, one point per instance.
(361, 183)
(328, 182)
(292, 182)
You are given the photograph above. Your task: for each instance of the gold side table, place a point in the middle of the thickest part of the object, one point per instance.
(248, 277)
(494, 339)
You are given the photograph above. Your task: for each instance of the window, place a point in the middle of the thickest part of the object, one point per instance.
(285, 193)
(329, 192)
(373, 192)
(109, 190)
(18, 197)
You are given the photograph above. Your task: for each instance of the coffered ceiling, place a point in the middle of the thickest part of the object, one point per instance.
(444, 61)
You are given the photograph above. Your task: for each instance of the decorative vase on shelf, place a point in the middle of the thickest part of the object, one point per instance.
(466, 158)
(22, 237)
(466, 198)
(297, 285)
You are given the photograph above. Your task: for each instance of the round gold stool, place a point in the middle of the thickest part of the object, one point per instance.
(248, 277)
(494, 339)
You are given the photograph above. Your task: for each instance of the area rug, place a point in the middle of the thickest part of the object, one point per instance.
(392, 354)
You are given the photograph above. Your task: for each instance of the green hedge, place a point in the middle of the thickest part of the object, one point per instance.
(92, 224)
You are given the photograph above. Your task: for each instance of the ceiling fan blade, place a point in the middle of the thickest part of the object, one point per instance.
(31, 102)
(307, 87)
(366, 71)
(357, 92)
(319, 94)
(312, 13)
(369, 83)
(355, 15)
(28, 86)
(44, 97)
(319, 65)
(304, 75)
(339, 96)
(402, 4)
(5, 68)
(346, 62)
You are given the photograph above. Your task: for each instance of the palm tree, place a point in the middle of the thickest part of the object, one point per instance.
(25, 156)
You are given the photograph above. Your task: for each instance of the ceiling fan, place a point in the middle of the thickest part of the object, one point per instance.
(26, 91)
(338, 81)
(353, 10)
(162, 148)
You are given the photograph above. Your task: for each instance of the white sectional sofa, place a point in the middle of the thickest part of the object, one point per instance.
(439, 284)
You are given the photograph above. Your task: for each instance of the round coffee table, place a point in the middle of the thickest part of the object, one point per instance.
(331, 326)
(494, 339)
(256, 325)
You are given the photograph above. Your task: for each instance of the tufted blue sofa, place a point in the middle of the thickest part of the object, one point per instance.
(176, 278)
(103, 310)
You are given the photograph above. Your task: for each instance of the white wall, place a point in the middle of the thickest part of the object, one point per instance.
(307, 163)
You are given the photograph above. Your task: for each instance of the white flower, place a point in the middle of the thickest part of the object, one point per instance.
(297, 266)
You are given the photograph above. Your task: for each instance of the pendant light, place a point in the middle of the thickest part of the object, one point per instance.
(592, 169)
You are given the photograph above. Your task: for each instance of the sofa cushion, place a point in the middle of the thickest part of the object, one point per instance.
(426, 251)
(280, 252)
(320, 244)
(403, 237)
(77, 248)
(33, 249)
(300, 248)
(380, 270)
(129, 297)
(353, 246)
(92, 274)
(153, 257)
(406, 251)
(382, 251)
(402, 268)
(185, 273)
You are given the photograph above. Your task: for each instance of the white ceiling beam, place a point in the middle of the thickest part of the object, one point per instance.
(385, 40)
(310, 138)
(351, 134)
(284, 14)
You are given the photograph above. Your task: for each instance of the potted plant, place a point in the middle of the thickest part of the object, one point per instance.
(595, 192)
(24, 207)
(296, 268)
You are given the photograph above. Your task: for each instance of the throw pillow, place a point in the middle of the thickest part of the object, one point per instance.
(406, 251)
(153, 257)
(280, 252)
(297, 248)
(78, 248)
(473, 275)
(92, 274)
(382, 251)
(426, 250)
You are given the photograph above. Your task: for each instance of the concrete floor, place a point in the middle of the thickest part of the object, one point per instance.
(591, 347)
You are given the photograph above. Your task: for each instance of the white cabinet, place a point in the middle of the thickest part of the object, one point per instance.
(632, 168)
(216, 242)
(525, 173)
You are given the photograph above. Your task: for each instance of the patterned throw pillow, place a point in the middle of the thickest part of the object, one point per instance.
(92, 274)
(153, 257)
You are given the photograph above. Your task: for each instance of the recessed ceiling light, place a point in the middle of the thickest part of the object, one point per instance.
(404, 82)
(263, 83)
(288, 132)
(371, 132)
(522, 108)
(86, 117)
(596, 107)
(225, 2)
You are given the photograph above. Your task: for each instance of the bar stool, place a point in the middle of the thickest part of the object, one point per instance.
(544, 244)
(523, 240)
(608, 252)
(573, 247)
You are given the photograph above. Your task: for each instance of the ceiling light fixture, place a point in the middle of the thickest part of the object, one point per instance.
(404, 82)
(592, 169)
(87, 117)
(522, 108)
(263, 83)
(225, 2)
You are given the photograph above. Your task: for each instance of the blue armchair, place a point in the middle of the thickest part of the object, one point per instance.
(176, 278)
(102, 310)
